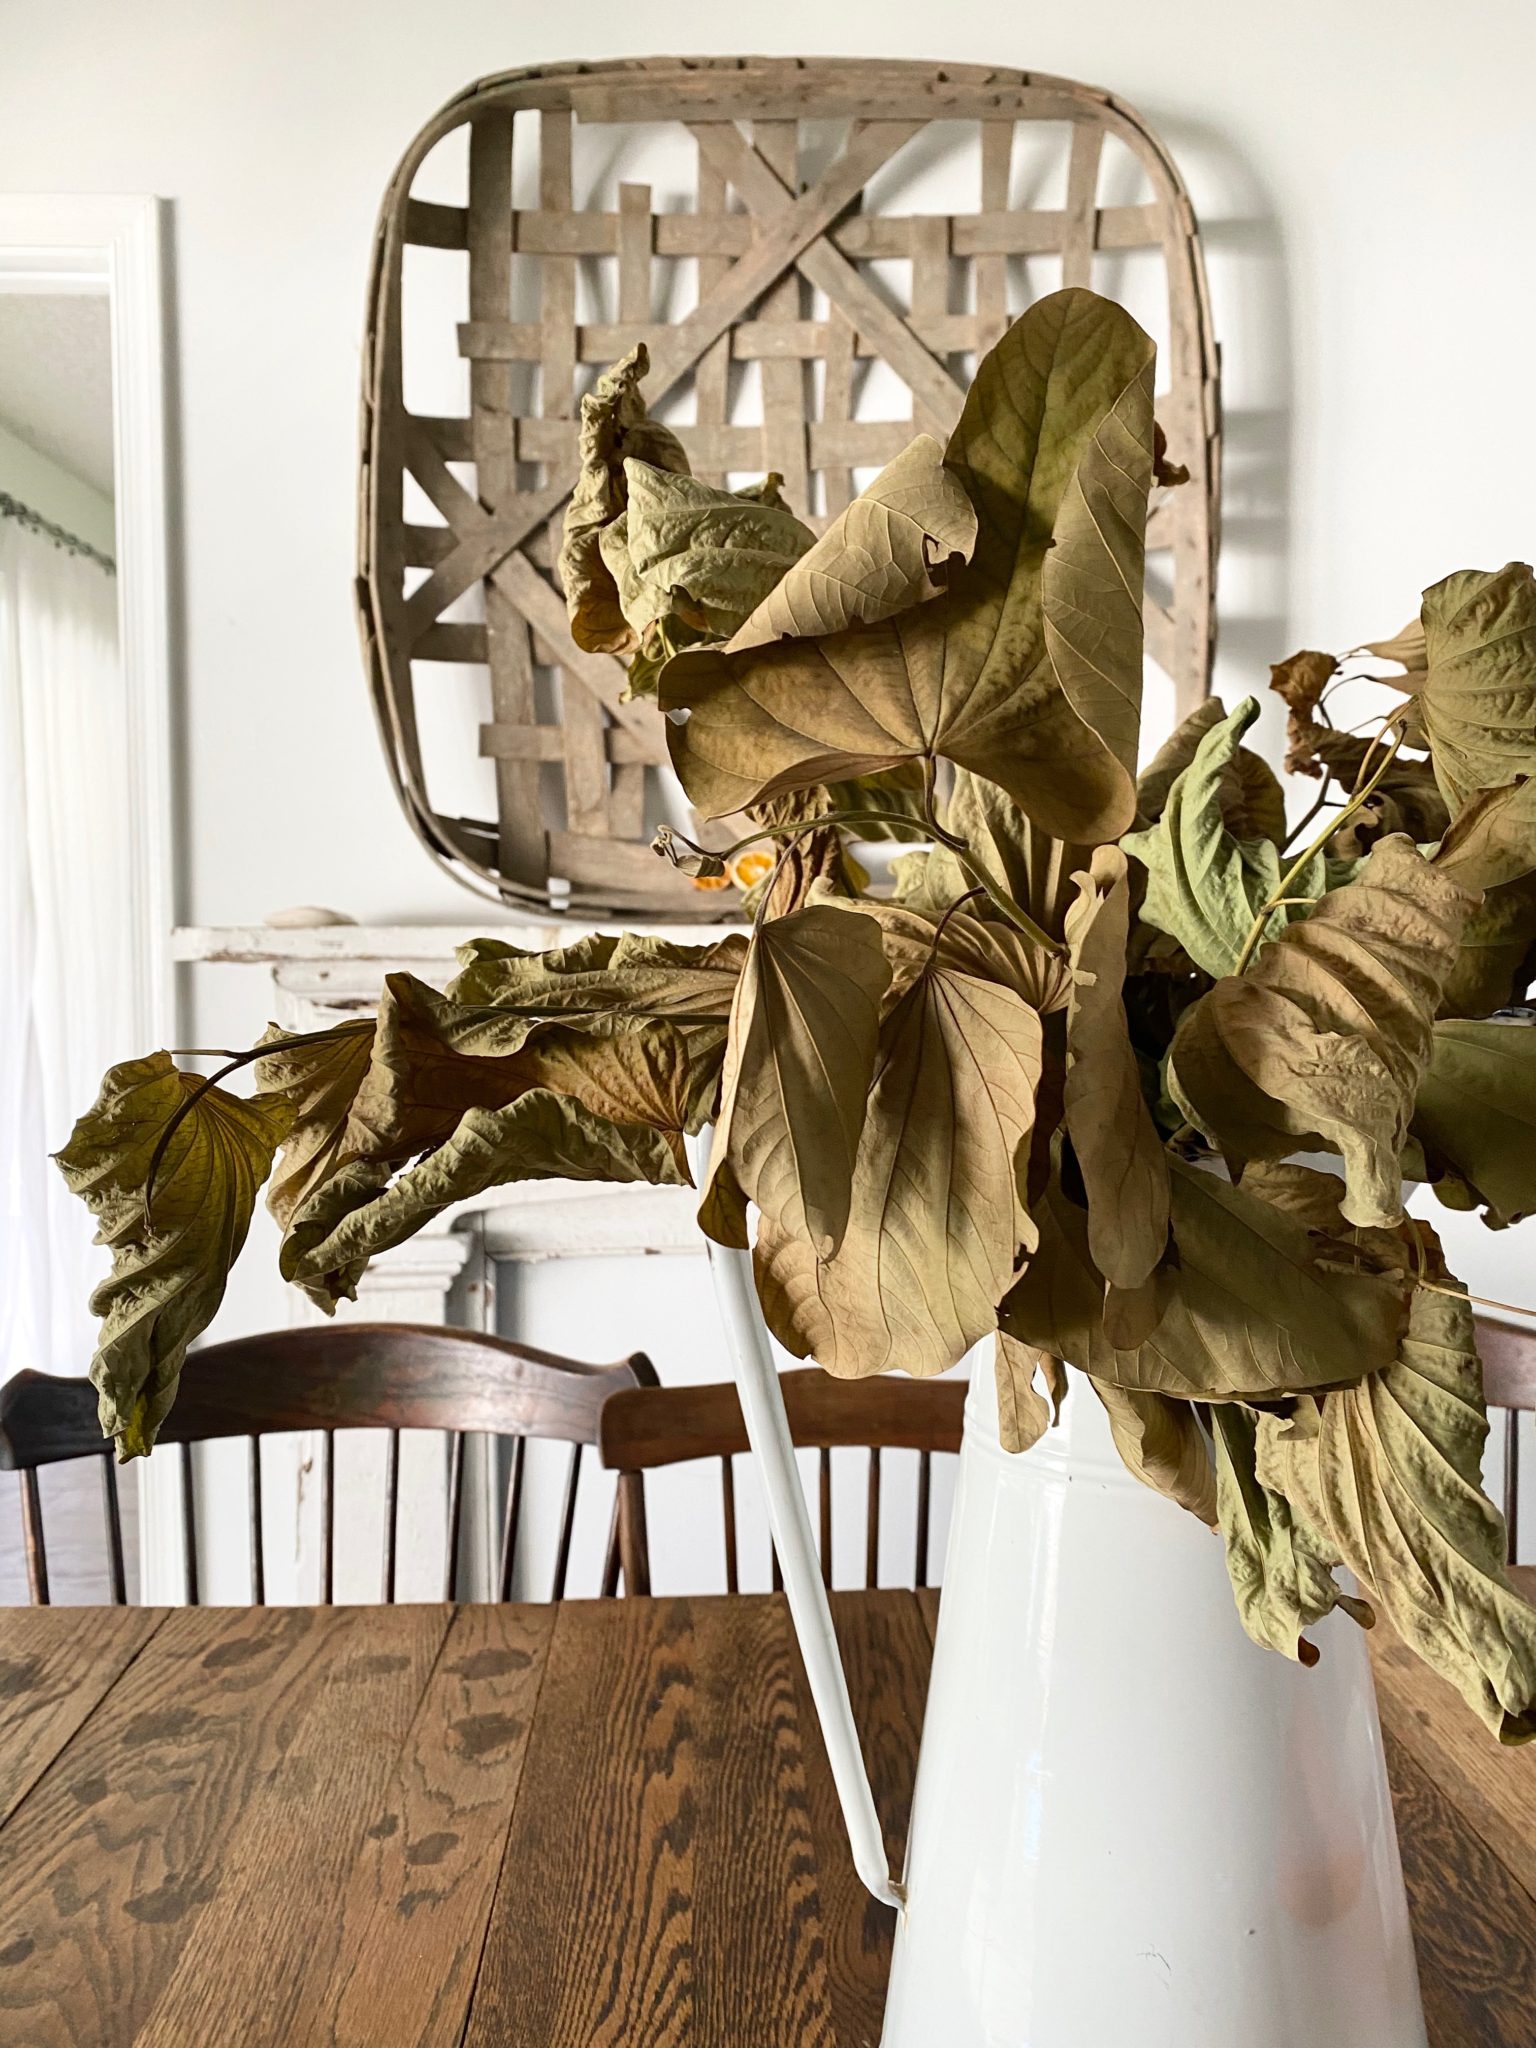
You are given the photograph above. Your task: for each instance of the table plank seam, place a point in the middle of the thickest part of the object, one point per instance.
(85, 1721)
(494, 1892)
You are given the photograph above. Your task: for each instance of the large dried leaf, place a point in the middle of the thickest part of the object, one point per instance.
(540, 1136)
(1248, 1308)
(898, 544)
(168, 1266)
(937, 1217)
(1161, 1443)
(1323, 1042)
(1478, 697)
(1024, 1414)
(1119, 1152)
(1205, 887)
(1281, 1572)
(1387, 1475)
(1476, 1113)
(603, 983)
(420, 1079)
(614, 424)
(804, 1035)
(1029, 670)
(1493, 841)
(319, 1081)
(710, 556)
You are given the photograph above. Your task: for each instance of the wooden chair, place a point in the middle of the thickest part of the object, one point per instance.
(1508, 1352)
(652, 1426)
(390, 1376)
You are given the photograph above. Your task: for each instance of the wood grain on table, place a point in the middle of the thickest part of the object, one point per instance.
(598, 1825)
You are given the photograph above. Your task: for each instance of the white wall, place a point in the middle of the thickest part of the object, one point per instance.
(1363, 173)
(54, 492)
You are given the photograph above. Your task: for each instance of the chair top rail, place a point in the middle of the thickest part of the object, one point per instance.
(653, 1426)
(341, 1376)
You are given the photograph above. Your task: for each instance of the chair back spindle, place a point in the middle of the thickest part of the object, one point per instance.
(112, 1513)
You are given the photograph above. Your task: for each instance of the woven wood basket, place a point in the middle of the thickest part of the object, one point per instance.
(804, 261)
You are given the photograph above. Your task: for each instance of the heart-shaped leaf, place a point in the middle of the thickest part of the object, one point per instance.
(804, 1033)
(1029, 670)
(1325, 1039)
(937, 1216)
(169, 1263)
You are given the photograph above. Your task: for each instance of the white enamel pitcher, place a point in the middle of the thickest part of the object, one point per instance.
(1132, 1828)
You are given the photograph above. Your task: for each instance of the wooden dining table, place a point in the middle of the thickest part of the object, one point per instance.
(607, 1824)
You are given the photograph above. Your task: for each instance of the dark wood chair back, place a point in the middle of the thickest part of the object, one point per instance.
(1508, 1352)
(653, 1426)
(389, 1376)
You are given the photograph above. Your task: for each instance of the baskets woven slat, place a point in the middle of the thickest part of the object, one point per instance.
(780, 252)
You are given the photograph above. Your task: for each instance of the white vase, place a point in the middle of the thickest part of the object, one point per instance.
(1132, 1828)
(1131, 1825)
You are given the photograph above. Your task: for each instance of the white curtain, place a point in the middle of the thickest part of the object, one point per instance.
(65, 984)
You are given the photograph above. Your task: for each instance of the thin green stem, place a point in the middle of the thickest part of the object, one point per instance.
(1308, 853)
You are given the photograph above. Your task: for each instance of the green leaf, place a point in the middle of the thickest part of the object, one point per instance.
(1029, 669)
(937, 1214)
(1476, 1113)
(540, 1136)
(1281, 1572)
(803, 1039)
(898, 544)
(1204, 887)
(1118, 1150)
(1249, 1309)
(683, 548)
(614, 424)
(1251, 799)
(1161, 1443)
(1325, 1039)
(1386, 1475)
(1477, 699)
(168, 1267)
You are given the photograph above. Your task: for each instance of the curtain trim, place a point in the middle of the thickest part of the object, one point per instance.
(72, 544)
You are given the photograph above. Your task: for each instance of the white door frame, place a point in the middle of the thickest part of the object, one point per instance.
(111, 246)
